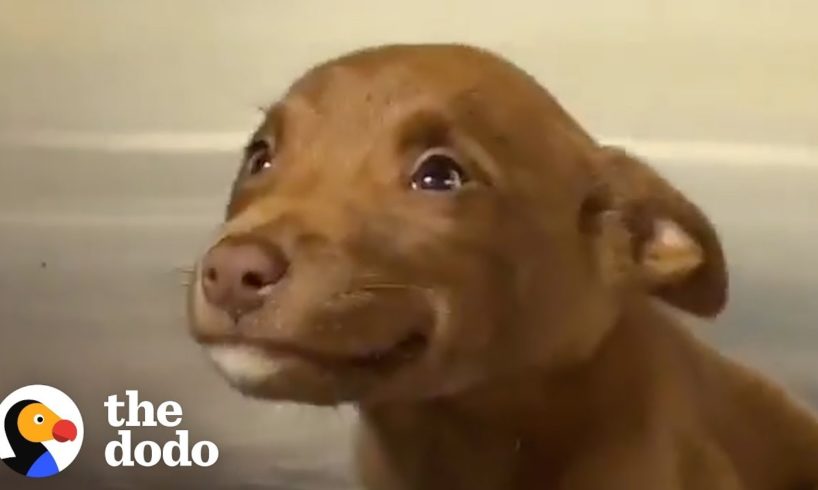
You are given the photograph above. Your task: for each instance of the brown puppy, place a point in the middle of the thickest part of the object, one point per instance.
(424, 232)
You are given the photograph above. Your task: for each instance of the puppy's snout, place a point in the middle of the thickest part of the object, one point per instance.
(236, 274)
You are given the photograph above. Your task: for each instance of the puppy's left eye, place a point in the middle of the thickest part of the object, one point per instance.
(259, 157)
(438, 170)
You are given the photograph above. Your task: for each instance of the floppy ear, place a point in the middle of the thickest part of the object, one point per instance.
(673, 250)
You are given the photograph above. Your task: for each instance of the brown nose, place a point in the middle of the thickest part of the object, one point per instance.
(235, 274)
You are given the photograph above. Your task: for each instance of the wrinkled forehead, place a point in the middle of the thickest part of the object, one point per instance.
(382, 76)
(327, 86)
(351, 101)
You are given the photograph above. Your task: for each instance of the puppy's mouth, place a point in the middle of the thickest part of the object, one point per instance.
(380, 360)
(321, 352)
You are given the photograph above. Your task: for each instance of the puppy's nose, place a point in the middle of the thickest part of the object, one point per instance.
(235, 274)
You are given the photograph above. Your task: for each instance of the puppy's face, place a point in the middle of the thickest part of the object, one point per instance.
(410, 221)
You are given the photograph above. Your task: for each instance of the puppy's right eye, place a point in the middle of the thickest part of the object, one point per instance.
(259, 157)
(438, 170)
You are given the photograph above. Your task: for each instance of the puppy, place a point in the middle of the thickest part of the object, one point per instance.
(422, 231)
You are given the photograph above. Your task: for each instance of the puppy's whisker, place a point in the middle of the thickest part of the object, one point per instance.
(186, 273)
(385, 286)
(388, 286)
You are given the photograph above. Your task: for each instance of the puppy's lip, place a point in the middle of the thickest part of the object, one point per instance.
(408, 348)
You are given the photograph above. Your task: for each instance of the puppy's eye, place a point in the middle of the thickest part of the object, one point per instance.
(438, 170)
(259, 158)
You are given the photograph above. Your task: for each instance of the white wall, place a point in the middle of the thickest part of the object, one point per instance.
(728, 71)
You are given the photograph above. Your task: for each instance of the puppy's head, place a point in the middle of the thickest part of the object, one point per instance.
(411, 220)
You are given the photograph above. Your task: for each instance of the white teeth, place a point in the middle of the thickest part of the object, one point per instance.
(243, 365)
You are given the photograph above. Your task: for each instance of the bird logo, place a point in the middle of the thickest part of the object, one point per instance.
(42, 430)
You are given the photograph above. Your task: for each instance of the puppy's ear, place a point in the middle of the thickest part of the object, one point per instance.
(655, 236)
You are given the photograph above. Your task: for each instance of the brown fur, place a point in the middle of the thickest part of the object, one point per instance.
(533, 350)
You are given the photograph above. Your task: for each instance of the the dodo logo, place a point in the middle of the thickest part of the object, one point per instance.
(42, 431)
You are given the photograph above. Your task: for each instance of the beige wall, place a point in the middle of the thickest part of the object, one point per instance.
(704, 70)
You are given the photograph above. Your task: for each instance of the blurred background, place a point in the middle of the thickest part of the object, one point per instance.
(120, 125)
